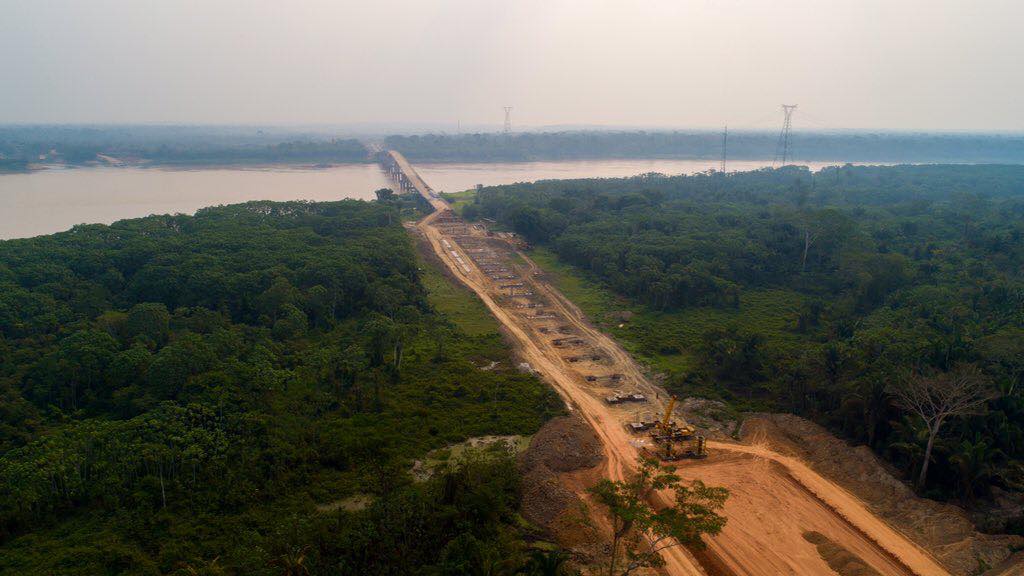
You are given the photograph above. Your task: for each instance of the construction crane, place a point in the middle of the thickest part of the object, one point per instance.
(666, 425)
(674, 442)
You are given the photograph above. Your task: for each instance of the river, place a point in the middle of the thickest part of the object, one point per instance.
(52, 200)
(456, 177)
(56, 199)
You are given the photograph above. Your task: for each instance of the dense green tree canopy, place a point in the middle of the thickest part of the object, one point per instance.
(199, 392)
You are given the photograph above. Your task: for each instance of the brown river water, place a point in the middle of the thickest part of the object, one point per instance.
(56, 199)
(456, 177)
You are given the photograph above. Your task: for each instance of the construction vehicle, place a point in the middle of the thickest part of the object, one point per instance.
(619, 397)
(674, 442)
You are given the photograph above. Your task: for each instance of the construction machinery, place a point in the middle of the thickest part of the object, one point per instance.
(671, 441)
(619, 398)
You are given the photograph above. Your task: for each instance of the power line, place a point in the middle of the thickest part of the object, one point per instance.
(807, 117)
(782, 147)
(508, 120)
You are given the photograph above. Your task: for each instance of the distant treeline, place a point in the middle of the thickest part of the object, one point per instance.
(805, 146)
(297, 151)
(7, 165)
(198, 145)
(170, 145)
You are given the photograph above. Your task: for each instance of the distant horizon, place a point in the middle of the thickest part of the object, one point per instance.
(423, 128)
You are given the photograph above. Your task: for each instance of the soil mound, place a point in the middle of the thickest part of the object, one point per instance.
(564, 444)
(944, 529)
(562, 458)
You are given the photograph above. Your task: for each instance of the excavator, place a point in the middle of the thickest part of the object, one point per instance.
(674, 442)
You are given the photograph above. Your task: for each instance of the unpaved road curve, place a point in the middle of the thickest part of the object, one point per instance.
(774, 498)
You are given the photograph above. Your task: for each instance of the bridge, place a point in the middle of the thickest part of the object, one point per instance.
(402, 173)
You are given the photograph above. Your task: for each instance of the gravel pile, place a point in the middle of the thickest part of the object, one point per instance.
(563, 446)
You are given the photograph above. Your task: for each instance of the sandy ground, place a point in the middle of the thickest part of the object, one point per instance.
(775, 499)
(944, 529)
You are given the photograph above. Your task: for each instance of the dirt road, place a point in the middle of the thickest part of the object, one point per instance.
(774, 499)
(751, 542)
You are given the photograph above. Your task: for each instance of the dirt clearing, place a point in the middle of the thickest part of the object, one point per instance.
(943, 528)
(769, 512)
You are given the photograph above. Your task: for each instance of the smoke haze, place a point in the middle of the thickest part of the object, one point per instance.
(908, 64)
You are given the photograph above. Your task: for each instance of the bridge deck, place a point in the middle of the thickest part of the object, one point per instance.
(416, 181)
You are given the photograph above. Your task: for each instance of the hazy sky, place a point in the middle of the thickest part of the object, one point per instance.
(899, 64)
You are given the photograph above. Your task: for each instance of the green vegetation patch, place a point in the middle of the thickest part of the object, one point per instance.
(460, 200)
(668, 341)
(597, 302)
(457, 302)
(196, 394)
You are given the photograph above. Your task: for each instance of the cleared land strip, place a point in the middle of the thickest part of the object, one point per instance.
(775, 501)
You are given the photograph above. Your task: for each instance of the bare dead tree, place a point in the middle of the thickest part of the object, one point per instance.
(809, 239)
(809, 226)
(963, 391)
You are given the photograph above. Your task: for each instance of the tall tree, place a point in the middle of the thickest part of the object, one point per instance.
(963, 391)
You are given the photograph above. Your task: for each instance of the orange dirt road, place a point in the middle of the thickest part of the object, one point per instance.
(774, 499)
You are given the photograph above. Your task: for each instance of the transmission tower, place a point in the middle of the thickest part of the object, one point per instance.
(508, 120)
(782, 148)
(725, 144)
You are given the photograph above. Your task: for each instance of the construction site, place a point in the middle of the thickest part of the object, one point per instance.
(782, 514)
